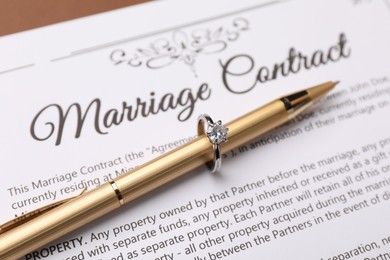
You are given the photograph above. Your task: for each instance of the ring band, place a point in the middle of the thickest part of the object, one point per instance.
(216, 133)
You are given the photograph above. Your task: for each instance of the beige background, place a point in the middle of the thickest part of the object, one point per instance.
(21, 15)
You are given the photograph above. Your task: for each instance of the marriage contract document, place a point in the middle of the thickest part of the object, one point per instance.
(85, 101)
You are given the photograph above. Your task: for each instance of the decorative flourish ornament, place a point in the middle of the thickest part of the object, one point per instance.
(182, 47)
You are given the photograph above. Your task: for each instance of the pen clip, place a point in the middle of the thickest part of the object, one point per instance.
(35, 213)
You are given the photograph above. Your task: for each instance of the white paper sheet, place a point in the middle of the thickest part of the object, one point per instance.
(317, 188)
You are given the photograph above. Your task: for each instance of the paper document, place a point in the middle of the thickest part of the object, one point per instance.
(84, 101)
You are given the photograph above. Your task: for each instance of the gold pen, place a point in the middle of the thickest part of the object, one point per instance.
(21, 237)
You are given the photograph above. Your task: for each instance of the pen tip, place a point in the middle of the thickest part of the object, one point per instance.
(319, 91)
(336, 82)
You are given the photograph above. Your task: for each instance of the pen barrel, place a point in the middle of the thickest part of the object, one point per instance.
(98, 202)
(56, 223)
(149, 176)
(199, 151)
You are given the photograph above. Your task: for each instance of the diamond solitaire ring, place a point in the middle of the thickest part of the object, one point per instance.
(216, 133)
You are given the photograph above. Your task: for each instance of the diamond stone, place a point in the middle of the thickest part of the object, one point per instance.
(217, 133)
